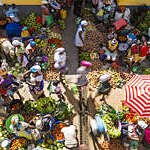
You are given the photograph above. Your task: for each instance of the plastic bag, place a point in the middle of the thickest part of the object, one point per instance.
(118, 15)
(127, 14)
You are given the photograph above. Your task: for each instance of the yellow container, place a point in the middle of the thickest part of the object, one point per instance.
(63, 14)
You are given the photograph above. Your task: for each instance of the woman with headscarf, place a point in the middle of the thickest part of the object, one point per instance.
(80, 34)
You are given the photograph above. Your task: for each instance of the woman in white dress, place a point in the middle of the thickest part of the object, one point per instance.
(80, 34)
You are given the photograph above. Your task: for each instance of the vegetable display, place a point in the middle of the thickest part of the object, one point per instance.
(62, 111)
(85, 56)
(18, 143)
(112, 129)
(45, 105)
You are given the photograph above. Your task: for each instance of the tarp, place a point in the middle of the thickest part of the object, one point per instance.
(133, 2)
(21, 2)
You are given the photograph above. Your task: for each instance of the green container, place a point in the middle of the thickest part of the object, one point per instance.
(49, 19)
(74, 89)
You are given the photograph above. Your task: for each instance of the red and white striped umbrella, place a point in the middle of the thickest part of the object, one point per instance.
(137, 94)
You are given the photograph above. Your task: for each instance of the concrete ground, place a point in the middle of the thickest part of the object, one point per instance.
(68, 42)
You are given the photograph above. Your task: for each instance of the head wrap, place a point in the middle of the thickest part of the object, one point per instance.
(16, 43)
(84, 22)
(35, 68)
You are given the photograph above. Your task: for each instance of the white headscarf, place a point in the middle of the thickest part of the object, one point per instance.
(84, 22)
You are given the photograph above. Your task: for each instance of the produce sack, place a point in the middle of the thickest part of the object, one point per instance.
(49, 19)
(120, 23)
(63, 14)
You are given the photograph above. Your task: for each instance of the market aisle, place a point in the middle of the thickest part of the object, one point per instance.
(68, 42)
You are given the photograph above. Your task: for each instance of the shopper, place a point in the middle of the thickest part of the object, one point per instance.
(80, 34)
(20, 53)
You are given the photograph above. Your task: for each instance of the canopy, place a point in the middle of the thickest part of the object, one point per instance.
(133, 2)
(21, 2)
(137, 94)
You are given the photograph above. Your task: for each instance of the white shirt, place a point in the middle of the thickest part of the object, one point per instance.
(78, 41)
(70, 136)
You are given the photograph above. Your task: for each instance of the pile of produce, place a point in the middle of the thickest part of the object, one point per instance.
(111, 122)
(51, 75)
(62, 24)
(41, 43)
(93, 39)
(93, 78)
(17, 70)
(18, 143)
(62, 111)
(32, 22)
(144, 24)
(85, 56)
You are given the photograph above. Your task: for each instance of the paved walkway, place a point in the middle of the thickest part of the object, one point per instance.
(68, 42)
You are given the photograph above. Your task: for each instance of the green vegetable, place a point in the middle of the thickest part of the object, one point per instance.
(62, 111)
(45, 105)
(85, 56)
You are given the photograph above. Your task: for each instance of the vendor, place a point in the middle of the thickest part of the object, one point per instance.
(112, 50)
(25, 32)
(8, 84)
(20, 53)
(104, 87)
(30, 53)
(57, 90)
(42, 123)
(20, 128)
(38, 88)
(60, 59)
(80, 34)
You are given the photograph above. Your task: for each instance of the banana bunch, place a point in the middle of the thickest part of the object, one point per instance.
(40, 43)
(54, 35)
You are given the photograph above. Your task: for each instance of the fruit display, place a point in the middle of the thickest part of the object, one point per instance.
(54, 35)
(41, 43)
(31, 23)
(112, 128)
(18, 143)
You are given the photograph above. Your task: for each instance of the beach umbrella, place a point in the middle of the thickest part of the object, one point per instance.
(137, 94)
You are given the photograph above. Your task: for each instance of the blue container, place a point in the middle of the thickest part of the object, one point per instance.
(13, 29)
